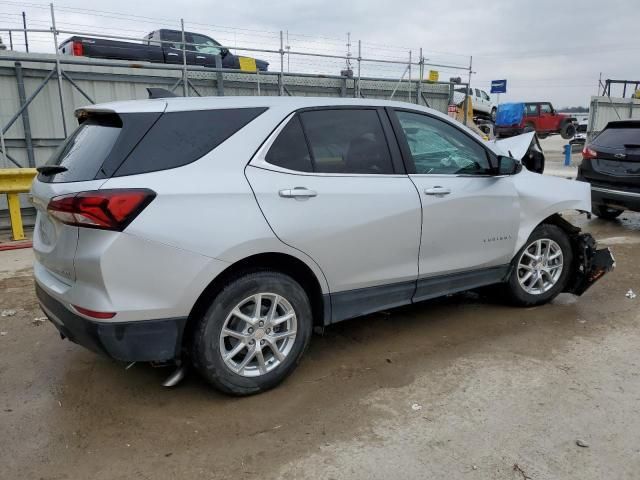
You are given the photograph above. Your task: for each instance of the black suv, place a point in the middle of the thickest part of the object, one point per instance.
(611, 164)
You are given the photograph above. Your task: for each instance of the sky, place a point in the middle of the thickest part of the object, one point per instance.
(547, 50)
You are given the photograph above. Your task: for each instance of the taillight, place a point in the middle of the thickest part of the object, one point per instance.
(102, 209)
(588, 153)
(77, 49)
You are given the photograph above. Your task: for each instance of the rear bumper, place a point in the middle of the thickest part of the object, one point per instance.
(133, 341)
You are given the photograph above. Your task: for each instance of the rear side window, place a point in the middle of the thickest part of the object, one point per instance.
(180, 138)
(618, 137)
(290, 149)
(347, 141)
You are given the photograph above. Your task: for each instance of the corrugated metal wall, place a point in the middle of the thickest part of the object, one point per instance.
(105, 83)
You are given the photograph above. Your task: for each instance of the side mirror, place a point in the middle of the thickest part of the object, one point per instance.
(508, 166)
(224, 52)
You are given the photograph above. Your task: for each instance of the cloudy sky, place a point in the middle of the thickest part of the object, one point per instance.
(547, 50)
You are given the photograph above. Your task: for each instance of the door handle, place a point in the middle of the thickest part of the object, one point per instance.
(200, 56)
(172, 54)
(437, 190)
(297, 192)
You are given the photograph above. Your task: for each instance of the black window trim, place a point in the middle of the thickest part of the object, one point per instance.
(406, 152)
(398, 165)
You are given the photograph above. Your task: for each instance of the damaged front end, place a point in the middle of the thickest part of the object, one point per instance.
(590, 263)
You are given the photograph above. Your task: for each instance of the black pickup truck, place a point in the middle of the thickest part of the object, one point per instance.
(160, 46)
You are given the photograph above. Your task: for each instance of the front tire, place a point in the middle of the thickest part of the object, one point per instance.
(253, 334)
(606, 213)
(541, 269)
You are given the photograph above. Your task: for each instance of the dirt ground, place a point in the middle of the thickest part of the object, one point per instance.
(450, 389)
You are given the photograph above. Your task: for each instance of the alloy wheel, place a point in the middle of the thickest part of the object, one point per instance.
(258, 334)
(540, 266)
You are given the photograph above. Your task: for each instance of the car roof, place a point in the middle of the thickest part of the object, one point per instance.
(176, 104)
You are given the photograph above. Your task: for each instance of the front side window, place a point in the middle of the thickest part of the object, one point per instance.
(546, 108)
(205, 44)
(439, 148)
(486, 96)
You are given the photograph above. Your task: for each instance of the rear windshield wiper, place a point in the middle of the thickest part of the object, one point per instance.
(51, 169)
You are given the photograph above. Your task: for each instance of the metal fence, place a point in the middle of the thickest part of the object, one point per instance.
(75, 81)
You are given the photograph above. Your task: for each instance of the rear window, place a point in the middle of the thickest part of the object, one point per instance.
(108, 145)
(84, 151)
(618, 137)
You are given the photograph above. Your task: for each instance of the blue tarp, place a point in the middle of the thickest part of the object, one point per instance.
(509, 114)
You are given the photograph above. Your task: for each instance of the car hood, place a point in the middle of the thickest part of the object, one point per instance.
(514, 147)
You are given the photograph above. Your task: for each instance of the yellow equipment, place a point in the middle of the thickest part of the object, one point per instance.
(14, 181)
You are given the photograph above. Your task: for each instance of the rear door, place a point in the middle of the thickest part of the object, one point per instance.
(172, 47)
(470, 217)
(331, 184)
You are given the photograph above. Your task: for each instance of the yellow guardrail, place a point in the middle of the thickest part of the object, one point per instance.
(14, 181)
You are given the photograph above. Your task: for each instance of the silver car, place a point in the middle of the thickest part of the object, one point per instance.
(218, 232)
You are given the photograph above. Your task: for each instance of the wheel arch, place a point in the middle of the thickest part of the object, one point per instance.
(272, 261)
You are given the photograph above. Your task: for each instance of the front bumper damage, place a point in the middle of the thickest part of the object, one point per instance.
(591, 263)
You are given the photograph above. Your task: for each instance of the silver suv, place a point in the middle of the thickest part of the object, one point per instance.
(217, 232)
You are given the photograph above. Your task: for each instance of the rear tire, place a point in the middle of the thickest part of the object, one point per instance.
(493, 114)
(606, 213)
(243, 350)
(541, 269)
(529, 127)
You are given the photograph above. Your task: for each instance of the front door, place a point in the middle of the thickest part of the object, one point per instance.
(548, 118)
(469, 216)
(330, 185)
